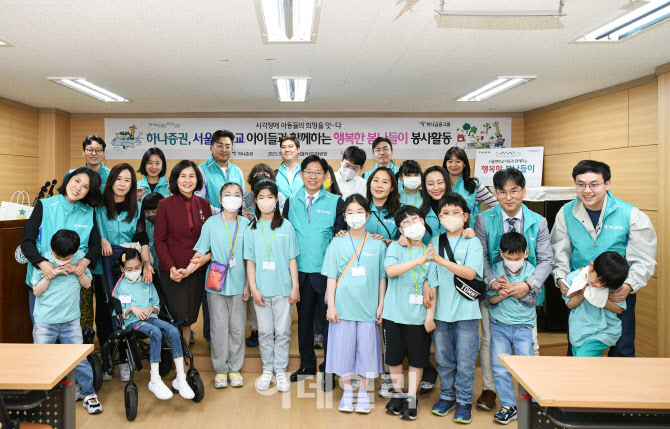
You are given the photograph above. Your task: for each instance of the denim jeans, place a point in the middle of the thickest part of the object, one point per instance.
(508, 339)
(155, 329)
(456, 348)
(67, 333)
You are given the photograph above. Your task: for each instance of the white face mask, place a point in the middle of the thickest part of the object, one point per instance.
(411, 183)
(513, 266)
(356, 220)
(266, 205)
(452, 223)
(231, 204)
(347, 173)
(133, 277)
(61, 263)
(415, 231)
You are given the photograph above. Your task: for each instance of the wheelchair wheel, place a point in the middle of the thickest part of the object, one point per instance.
(131, 404)
(96, 366)
(198, 388)
(165, 365)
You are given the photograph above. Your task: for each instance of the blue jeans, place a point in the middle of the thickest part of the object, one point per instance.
(625, 346)
(67, 333)
(508, 339)
(456, 348)
(155, 328)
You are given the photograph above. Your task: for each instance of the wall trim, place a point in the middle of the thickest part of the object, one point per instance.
(595, 94)
(18, 104)
(55, 111)
(337, 114)
(663, 68)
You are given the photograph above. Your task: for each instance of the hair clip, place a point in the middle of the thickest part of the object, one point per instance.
(123, 257)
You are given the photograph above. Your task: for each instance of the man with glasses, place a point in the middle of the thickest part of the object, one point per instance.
(316, 215)
(347, 176)
(288, 174)
(383, 153)
(511, 215)
(596, 222)
(94, 152)
(218, 170)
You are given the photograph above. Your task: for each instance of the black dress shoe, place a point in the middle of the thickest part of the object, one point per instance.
(302, 373)
(328, 381)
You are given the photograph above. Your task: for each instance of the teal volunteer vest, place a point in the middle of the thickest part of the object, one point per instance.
(216, 179)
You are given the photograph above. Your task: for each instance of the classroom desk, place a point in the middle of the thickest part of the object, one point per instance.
(41, 367)
(590, 384)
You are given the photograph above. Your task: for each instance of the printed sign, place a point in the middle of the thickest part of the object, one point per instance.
(528, 160)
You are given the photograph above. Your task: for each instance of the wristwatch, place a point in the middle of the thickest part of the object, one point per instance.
(530, 286)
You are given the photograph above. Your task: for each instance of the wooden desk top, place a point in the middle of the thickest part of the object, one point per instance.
(38, 366)
(609, 383)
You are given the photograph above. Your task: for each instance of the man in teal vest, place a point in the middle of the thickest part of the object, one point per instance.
(596, 222)
(287, 175)
(316, 216)
(218, 170)
(94, 152)
(382, 150)
(510, 215)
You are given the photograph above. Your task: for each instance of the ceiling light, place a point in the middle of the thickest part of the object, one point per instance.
(288, 21)
(291, 89)
(443, 11)
(648, 14)
(495, 87)
(82, 85)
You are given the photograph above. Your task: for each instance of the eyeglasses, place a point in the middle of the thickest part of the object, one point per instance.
(513, 193)
(410, 221)
(287, 146)
(385, 149)
(313, 173)
(592, 186)
(221, 145)
(94, 151)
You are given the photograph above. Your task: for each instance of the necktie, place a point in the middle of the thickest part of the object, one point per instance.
(511, 222)
(310, 199)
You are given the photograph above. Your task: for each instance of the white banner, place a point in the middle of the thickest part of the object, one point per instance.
(256, 138)
(528, 160)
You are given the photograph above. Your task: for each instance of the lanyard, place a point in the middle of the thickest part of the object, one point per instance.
(265, 239)
(416, 196)
(230, 240)
(416, 284)
(358, 258)
(456, 245)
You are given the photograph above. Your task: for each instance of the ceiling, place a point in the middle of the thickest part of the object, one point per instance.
(370, 55)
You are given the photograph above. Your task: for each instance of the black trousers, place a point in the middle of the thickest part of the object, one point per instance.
(309, 298)
(103, 317)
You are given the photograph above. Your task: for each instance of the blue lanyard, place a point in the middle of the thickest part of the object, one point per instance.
(358, 258)
(456, 245)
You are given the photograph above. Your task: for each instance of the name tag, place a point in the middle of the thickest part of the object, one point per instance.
(125, 299)
(459, 262)
(268, 265)
(231, 263)
(357, 271)
(416, 299)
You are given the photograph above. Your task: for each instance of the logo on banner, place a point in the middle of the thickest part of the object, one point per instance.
(127, 139)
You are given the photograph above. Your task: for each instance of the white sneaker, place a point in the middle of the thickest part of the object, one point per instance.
(160, 390)
(236, 379)
(92, 404)
(282, 382)
(124, 372)
(220, 381)
(184, 389)
(264, 381)
(106, 376)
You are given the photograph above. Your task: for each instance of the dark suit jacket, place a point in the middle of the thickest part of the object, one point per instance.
(173, 239)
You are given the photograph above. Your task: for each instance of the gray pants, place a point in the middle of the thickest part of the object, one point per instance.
(226, 316)
(274, 332)
(251, 315)
(485, 348)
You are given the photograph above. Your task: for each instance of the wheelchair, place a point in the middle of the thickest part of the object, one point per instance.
(132, 347)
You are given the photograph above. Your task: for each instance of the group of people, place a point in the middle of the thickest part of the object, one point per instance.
(379, 266)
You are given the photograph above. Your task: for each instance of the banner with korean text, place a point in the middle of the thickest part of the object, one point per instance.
(258, 138)
(528, 160)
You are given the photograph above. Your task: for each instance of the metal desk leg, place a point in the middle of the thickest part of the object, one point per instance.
(524, 409)
(69, 411)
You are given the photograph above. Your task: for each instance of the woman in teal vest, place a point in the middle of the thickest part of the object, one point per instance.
(72, 208)
(457, 164)
(120, 221)
(383, 200)
(153, 168)
(434, 186)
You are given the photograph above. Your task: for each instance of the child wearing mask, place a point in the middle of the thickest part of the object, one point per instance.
(409, 179)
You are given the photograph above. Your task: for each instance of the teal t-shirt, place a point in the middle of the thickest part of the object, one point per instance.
(452, 306)
(411, 199)
(379, 223)
(140, 294)
(61, 300)
(217, 236)
(396, 301)
(588, 322)
(356, 297)
(283, 247)
(510, 311)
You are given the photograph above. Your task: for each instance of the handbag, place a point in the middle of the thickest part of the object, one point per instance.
(11, 210)
(469, 289)
(216, 276)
